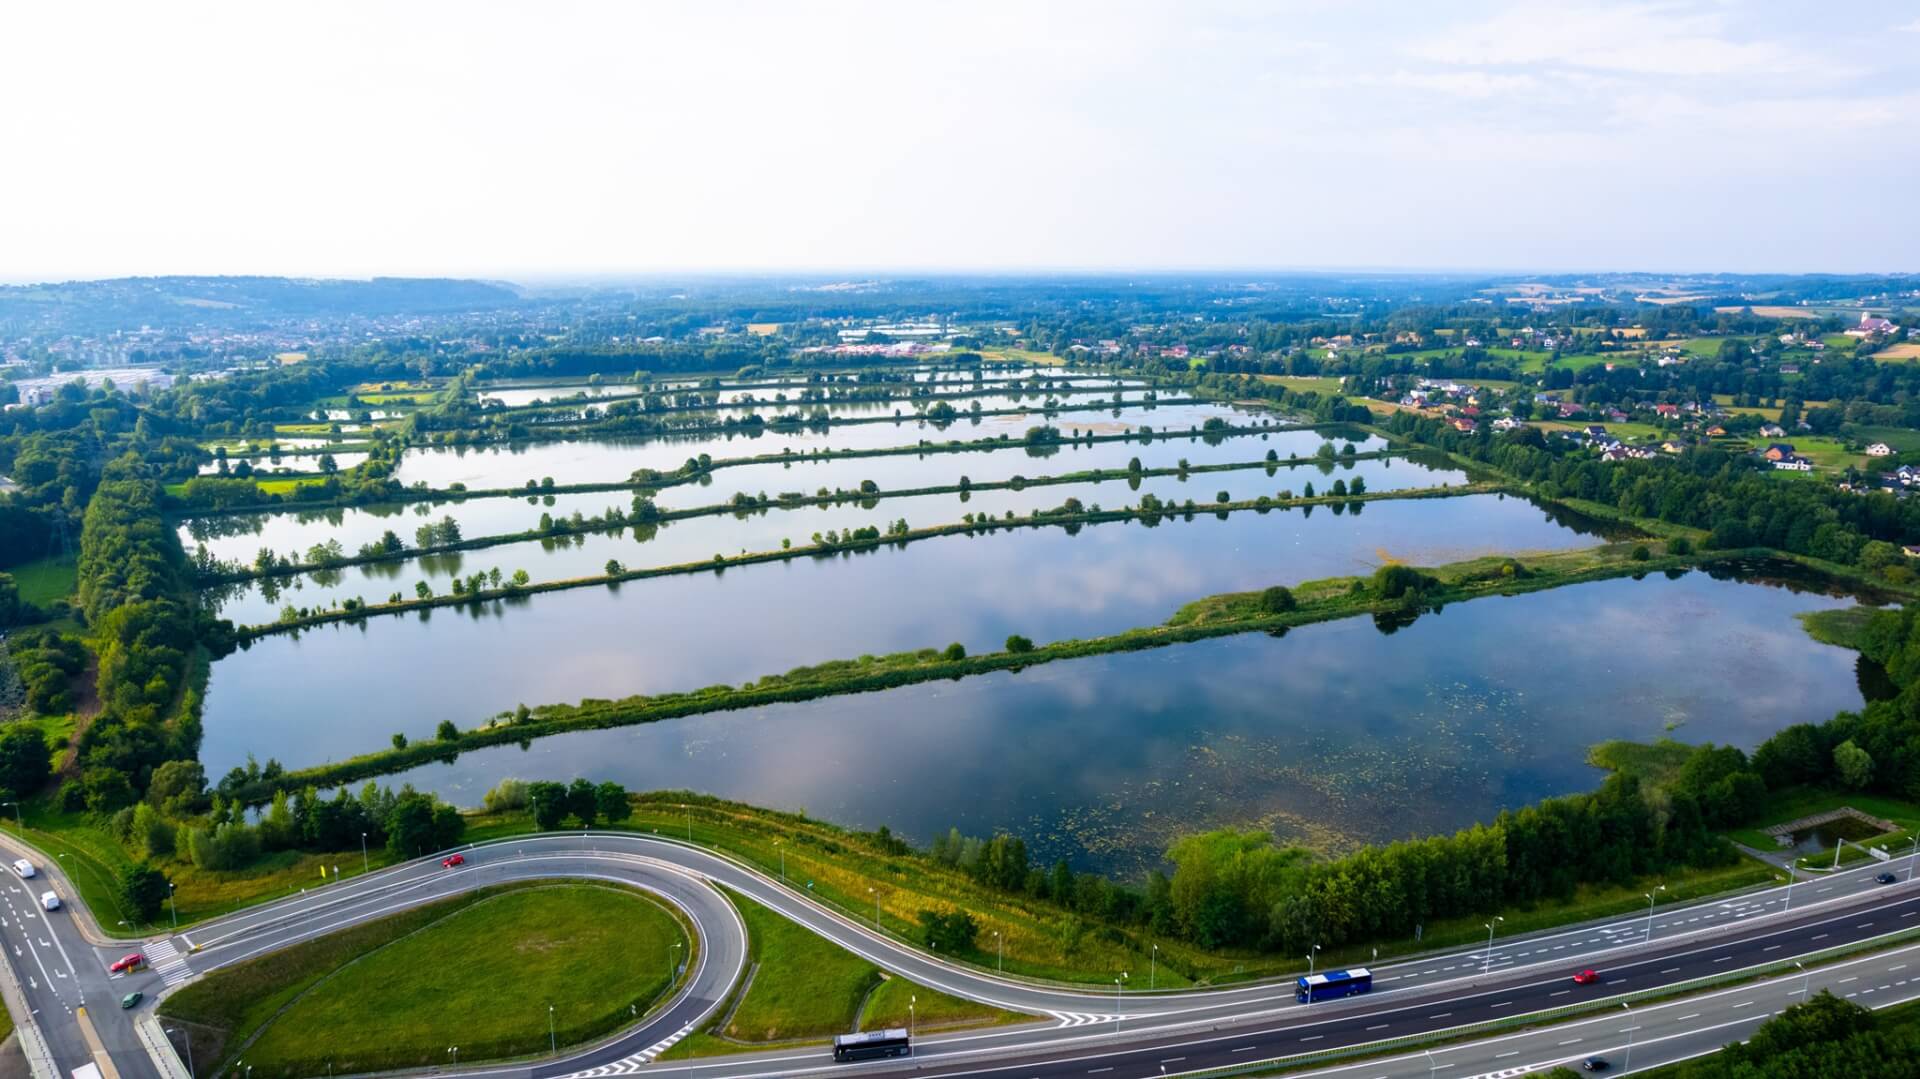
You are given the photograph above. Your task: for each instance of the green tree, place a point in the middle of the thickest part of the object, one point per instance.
(1277, 600)
(1853, 765)
(549, 802)
(143, 889)
(610, 801)
(446, 731)
(1017, 643)
(949, 932)
(25, 762)
(584, 802)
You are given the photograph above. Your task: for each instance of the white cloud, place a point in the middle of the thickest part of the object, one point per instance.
(1650, 39)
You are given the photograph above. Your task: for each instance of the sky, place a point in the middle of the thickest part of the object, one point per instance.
(557, 139)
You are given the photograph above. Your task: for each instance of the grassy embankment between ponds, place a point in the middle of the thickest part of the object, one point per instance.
(801, 989)
(864, 499)
(1003, 389)
(719, 563)
(677, 477)
(478, 971)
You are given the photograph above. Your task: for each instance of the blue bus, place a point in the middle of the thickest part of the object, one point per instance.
(1333, 984)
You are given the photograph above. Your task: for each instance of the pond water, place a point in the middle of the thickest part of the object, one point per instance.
(240, 537)
(697, 539)
(527, 395)
(606, 460)
(1334, 734)
(340, 689)
(300, 463)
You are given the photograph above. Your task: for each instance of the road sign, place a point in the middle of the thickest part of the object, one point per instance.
(1878, 854)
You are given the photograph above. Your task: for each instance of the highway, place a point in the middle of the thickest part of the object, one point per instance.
(61, 959)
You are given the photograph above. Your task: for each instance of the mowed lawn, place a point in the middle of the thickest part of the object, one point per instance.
(47, 579)
(806, 989)
(480, 976)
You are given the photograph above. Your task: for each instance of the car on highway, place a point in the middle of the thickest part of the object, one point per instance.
(1586, 977)
(50, 900)
(132, 1000)
(452, 860)
(23, 867)
(1594, 1064)
(1886, 878)
(127, 964)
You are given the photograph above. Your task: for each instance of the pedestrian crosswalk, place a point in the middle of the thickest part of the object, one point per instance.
(1081, 1019)
(166, 961)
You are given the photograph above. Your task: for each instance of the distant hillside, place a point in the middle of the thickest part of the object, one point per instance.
(234, 301)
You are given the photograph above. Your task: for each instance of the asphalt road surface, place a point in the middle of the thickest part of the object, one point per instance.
(61, 960)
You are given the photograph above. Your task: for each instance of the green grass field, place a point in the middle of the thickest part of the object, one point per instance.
(1304, 383)
(47, 579)
(1902, 439)
(805, 989)
(480, 972)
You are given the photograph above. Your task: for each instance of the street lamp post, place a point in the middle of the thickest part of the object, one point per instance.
(1792, 875)
(1650, 896)
(1916, 852)
(1431, 1066)
(1153, 968)
(1117, 1007)
(783, 859)
(18, 822)
(912, 1001)
(365, 866)
(455, 1050)
(1489, 964)
(876, 909)
(188, 1036)
(172, 911)
(1806, 977)
(1311, 952)
(1627, 1064)
(553, 1040)
(1000, 960)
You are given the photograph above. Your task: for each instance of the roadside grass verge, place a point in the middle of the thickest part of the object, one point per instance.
(805, 989)
(478, 972)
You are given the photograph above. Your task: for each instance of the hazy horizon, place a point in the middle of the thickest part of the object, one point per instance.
(495, 141)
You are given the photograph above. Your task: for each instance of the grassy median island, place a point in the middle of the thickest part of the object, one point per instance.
(804, 989)
(478, 971)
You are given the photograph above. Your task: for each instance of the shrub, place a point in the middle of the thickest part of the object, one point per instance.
(1640, 553)
(1277, 600)
(1680, 545)
(1017, 643)
(955, 652)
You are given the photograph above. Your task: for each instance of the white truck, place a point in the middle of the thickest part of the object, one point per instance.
(87, 1071)
(50, 900)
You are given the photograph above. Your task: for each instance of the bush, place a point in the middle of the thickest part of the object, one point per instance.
(1017, 643)
(1277, 600)
(1680, 545)
(951, 932)
(955, 652)
(143, 889)
(1640, 553)
(1396, 581)
(506, 795)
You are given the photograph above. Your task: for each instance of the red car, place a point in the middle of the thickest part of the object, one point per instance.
(452, 860)
(128, 964)
(1586, 977)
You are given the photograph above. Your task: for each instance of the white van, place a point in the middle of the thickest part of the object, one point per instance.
(50, 900)
(23, 867)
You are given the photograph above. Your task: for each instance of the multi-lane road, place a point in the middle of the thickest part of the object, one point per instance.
(61, 958)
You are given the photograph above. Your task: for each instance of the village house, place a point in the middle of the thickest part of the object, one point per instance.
(1716, 431)
(1772, 430)
(1879, 449)
(1667, 411)
(1794, 463)
(1870, 325)
(1778, 451)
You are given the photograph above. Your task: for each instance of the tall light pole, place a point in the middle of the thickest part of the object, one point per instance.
(911, 1002)
(1153, 968)
(172, 910)
(1792, 875)
(365, 866)
(783, 859)
(553, 1040)
(1806, 976)
(21, 824)
(1650, 896)
(1000, 943)
(1311, 952)
(876, 908)
(1627, 1065)
(1489, 965)
(1916, 852)
(455, 1050)
(1117, 1008)
(188, 1035)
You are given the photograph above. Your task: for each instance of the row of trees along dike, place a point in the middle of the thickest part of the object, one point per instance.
(371, 481)
(444, 535)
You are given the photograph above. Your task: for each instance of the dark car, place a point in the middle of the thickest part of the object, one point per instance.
(128, 964)
(1594, 1064)
(1886, 878)
(132, 1000)
(452, 860)
(1586, 977)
